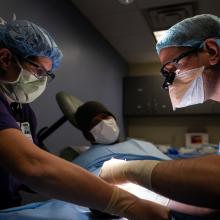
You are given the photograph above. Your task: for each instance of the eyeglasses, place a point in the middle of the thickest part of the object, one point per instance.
(40, 70)
(168, 70)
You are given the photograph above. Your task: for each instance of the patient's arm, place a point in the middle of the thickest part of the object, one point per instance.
(173, 205)
(192, 210)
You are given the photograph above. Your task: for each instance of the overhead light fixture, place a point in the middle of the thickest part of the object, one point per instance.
(159, 34)
(125, 2)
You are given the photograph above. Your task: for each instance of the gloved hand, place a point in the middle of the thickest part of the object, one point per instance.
(121, 171)
(127, 205)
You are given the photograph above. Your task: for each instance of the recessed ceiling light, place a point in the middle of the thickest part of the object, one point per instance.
(126, 2)
(159, 34)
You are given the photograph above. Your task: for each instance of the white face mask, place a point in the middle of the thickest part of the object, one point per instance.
(25, 89)
(187, 88)
(105, 132)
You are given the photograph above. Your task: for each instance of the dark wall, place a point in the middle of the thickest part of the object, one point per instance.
(91, 69)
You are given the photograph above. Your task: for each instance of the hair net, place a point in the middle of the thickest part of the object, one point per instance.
(191, 32)
(25, 39)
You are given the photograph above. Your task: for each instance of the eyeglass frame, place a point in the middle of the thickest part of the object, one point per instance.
(47, 73)
(170, 76)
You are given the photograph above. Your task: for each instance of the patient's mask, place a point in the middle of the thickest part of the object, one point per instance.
(105, 132)
(25, 89)
(187, 88)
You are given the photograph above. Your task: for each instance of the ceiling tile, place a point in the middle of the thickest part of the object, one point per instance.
(102, 7)
(119, 24)
(133, 43)
(144, 57)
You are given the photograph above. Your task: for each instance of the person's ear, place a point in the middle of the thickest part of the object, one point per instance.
(5, 58)
(213, 50)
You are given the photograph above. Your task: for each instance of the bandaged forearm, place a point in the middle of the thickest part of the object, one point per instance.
(138, 171)
(124, 204)
(121, 201)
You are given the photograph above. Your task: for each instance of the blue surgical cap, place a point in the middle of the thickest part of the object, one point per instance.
(26, 39)
(191, 32)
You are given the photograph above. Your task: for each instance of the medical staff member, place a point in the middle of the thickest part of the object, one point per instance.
(28, 57)
(190, 57)
(97, 123)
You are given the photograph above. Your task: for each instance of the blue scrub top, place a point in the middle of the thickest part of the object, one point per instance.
(9, 185)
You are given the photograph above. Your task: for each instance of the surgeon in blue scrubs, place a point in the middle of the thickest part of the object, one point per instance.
(28, 58)
(190, 57)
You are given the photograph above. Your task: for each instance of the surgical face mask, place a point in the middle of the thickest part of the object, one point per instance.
(105, 132)
(25, 89)
(187, 88)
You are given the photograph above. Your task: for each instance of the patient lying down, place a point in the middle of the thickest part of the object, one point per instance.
(99, 126)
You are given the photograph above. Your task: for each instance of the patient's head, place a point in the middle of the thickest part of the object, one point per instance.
(97, 123)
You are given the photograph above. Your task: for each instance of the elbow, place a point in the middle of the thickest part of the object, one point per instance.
(37, 173)
(29, 170)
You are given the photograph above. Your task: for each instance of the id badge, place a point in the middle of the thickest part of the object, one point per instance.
(26, 130)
